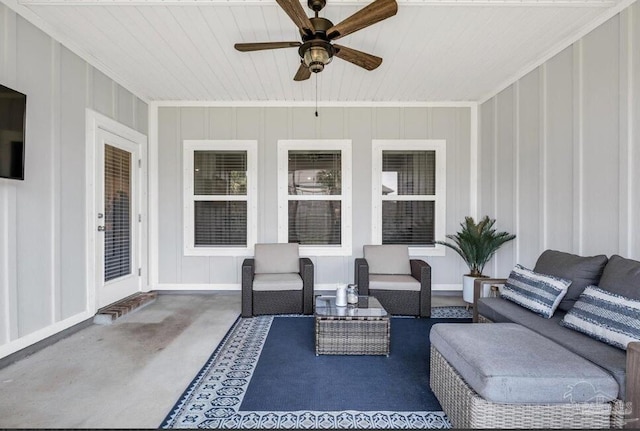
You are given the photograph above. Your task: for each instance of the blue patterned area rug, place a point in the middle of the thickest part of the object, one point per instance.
(264, 374)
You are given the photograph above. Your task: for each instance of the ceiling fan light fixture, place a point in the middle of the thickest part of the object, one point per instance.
(315, 58)
(316, 49)
(316, 54)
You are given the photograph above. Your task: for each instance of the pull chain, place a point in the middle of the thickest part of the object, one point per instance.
(316, 93)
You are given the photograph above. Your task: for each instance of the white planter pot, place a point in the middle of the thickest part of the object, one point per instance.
(467, 288)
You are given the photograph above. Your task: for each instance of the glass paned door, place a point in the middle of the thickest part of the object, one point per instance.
(117, 186)
(117, 202)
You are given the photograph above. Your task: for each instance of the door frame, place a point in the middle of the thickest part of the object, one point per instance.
(95, 122)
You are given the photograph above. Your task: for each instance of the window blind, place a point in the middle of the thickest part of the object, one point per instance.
(409, 172)
(220, 222)
(117, 195)
(319, 173)
(315, 222)
(408, 222)
(220, 173)
(315, 173)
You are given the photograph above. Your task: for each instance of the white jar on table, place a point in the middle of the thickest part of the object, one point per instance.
(341, 295)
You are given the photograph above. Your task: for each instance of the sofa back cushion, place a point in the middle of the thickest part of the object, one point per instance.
(539, 293)
(277, 258)
(582, 271)
(621, 276)
(387, 259)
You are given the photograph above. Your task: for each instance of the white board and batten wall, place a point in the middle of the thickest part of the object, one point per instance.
(42, 219)
(556, 163)
(267, 125)
(560, 149)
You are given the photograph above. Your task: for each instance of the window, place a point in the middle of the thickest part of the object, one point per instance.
(314, 196)
(220, 211)
(409, 194)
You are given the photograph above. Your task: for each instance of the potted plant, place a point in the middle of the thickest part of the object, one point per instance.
(476, 243)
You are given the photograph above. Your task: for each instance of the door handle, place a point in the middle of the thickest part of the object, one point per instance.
(101, 229)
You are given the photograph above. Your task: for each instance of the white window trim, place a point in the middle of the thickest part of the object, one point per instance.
(251, 147)
(437, 145)
(343, 145)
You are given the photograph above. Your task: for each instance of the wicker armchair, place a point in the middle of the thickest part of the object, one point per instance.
(277, 281)
(402, 285)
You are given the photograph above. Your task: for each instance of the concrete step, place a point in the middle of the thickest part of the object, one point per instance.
(107, 315)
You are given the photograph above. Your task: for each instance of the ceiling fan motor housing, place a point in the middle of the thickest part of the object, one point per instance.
(316, 5)
(316, 51)
(320, 25)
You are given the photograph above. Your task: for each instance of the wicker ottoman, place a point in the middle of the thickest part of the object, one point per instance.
(479, 374)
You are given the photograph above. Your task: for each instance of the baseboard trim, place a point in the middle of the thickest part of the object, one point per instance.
(446, 287)
(176, 288)
(195, 287)
(29, 344)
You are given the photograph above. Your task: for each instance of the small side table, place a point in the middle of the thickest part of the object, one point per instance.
(364, 329)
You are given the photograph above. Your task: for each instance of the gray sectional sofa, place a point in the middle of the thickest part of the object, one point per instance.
(617, 275)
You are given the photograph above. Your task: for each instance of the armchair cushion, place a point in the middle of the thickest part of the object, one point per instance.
(393, 282)
(277, 258)
(277, 282)
(387, 259)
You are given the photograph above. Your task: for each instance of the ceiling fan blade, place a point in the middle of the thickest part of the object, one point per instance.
(373, 13)
(356, 57)
(294, 9)
(303, 73)
(257, 46)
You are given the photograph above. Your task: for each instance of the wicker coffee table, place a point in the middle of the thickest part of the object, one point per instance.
(352, 330)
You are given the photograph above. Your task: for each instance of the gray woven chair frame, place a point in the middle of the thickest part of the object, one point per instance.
(399, 302)
(256, 303)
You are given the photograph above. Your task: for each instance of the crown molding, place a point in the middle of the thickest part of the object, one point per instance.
(484, 3)
(307, 104)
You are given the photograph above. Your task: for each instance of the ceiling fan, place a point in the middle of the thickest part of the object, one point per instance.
(316, 49)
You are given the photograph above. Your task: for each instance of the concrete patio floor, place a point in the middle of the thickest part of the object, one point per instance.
(126, 375)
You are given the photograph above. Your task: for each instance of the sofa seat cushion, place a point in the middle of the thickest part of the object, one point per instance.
(583, 271)
(277, 282)
(610, 358)
(387, 259)
(509, 364)
(393, 282)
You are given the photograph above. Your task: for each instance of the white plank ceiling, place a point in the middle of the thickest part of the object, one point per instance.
(440, 50)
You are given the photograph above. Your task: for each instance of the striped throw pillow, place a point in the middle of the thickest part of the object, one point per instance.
(605, 316)
(539, 293)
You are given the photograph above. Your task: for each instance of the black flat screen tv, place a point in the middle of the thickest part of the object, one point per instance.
(13, 109)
